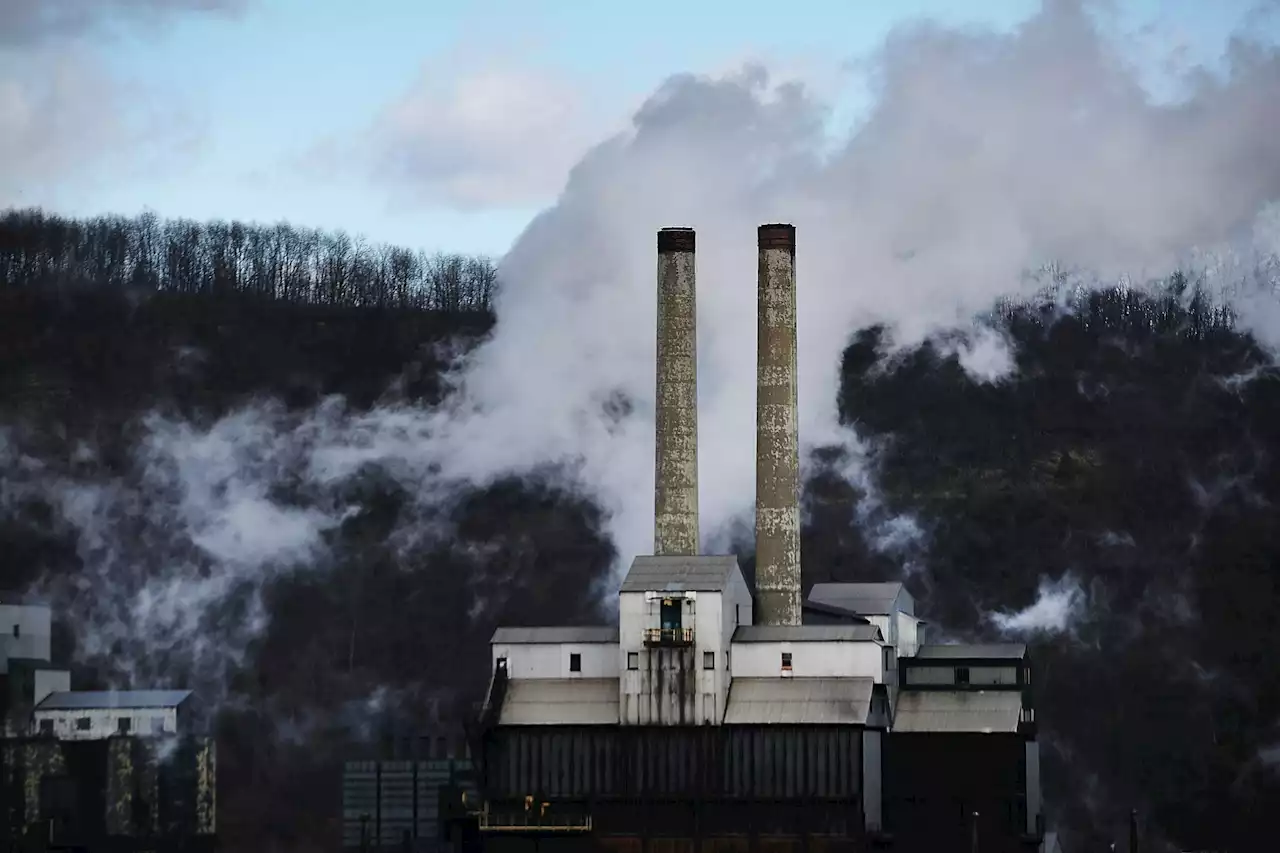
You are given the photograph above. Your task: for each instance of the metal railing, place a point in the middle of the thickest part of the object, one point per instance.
(534, 820)
(668, 636)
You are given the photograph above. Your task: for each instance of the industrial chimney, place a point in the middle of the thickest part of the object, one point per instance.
(676, 415)
(777, 433)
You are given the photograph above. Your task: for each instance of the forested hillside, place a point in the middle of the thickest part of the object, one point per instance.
(1123, 477)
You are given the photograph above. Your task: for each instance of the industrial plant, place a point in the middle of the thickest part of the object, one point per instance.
(95, 770)
(718, 715)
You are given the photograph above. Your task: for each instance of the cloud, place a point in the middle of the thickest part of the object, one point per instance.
(26, 22)
(58, 116)
(471, 138)
(65, 118)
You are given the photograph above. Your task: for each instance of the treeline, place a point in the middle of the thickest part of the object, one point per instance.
(276, 262)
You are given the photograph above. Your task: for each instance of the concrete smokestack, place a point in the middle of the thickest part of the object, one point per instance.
(676, 436)
(777, 433)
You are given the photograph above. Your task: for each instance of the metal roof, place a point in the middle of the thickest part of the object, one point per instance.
(98, 700)
(810, 609)
(984, 711)
(804, 633)
(867, 599)
(808, 701)
(560, 702)
(581, 634)
(1000, 651)
(680, 574)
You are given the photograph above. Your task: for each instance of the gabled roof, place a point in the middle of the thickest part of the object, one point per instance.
(100, 700)
(560, 702)
(680, 574)
(803, 633)
(802, 701)
(865, 599)
(961, 651)
(975, 711)
(570, 634)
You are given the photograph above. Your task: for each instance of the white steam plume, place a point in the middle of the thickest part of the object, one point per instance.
(1058, 606)
(986, 156)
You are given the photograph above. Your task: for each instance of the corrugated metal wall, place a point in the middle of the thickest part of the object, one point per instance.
(767, 762)
(408, 799)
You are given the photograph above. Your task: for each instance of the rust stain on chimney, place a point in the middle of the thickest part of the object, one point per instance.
(777, 432)
(676, 414)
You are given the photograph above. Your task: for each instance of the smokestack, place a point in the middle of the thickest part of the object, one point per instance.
(777, 433)
(676, 436)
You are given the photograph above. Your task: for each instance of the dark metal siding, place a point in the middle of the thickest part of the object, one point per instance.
(382, 800)
(751, 762)
(934, 782)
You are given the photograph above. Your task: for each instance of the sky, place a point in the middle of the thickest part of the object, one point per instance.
(442, 126)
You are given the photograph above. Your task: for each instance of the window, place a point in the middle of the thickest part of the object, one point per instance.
(575, 662)
(124, 725)
(17, 630)
(786, 660)
(82, 724)
(708, 660)
(962, 676)
(46, 727)
(737, 614)
(633, 660)
(157, 725)
(670, 615)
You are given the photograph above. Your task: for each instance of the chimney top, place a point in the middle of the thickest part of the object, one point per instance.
(777, 236)
(675, 240)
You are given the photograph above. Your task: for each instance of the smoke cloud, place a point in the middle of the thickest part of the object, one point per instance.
(1059, 603)
(986, 156)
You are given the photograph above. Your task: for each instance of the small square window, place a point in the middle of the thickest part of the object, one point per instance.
(633, 660)
(708, 660)
(786, 660)
(575, 662)
(124, 725)
(82, 724)
(962, 676)
(46, 727)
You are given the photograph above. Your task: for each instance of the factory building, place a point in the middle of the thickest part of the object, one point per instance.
(95, 770)
(97, 714)
(719, 715)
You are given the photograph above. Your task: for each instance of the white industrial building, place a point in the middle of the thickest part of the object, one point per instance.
(95, 714)
(685, 652)
(36, 696)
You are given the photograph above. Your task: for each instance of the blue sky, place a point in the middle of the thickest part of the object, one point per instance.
(274, 110)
